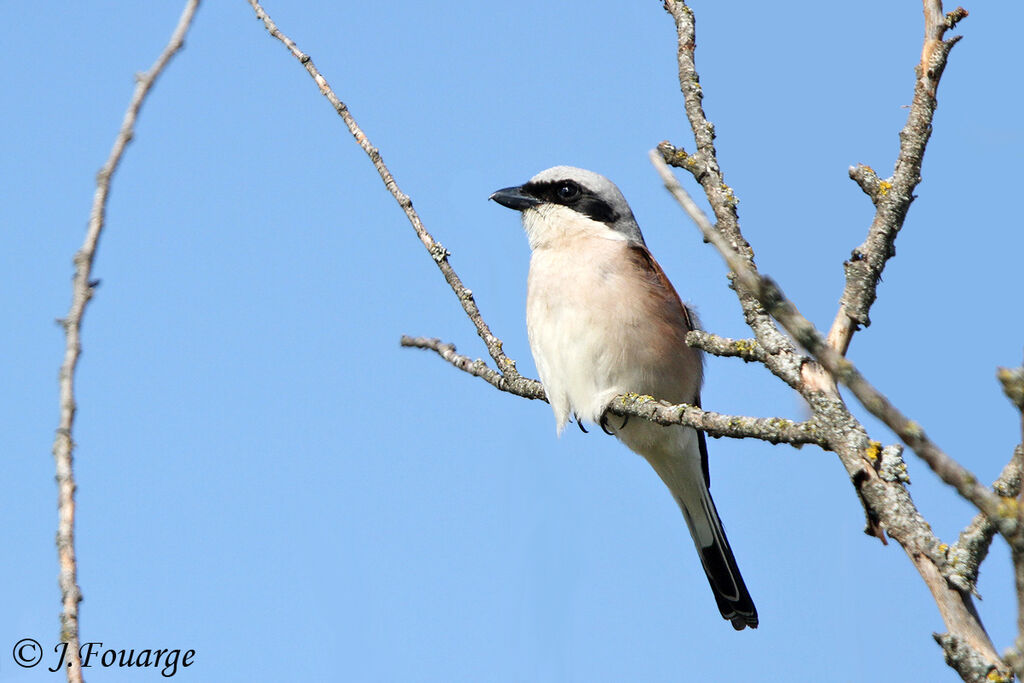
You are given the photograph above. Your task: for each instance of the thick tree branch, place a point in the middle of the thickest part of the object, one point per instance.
(770, 429)
(436, 250)
(892, 196)
(82, 286)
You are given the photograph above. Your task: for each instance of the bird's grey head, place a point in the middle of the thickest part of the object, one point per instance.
(565, 192)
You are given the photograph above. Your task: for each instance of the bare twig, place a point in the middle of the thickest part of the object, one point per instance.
(770, 429)
(967, 554)
(525, 387)
(1012, 380)
(437, 251)
(892, 196)
(869, 181)
(82, 288)
(747, 349)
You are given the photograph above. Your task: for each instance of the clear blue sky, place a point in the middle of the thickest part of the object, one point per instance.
(266, 477)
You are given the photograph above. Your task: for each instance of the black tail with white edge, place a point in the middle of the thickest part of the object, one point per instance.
(734, 601)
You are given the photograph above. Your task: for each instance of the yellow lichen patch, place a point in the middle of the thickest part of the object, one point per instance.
(883, 187)
(1007, 507)
(744, 347)
(997, 677)
(730, 198)
(873, 450)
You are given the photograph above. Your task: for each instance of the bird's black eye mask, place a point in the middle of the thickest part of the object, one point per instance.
(575, 196)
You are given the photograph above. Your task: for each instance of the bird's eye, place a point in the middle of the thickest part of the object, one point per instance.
(568, 191)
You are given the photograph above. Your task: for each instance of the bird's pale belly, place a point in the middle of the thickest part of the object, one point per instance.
(598, 344)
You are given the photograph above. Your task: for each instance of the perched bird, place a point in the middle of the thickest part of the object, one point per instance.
(604, 320)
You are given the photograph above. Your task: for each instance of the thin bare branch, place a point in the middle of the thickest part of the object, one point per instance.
(967, 554)
(82, 287)
(893, 196)
(869, 181)
(1012, 380)
(747, 349)
(770, 429)
(522, 386)
(436, 250)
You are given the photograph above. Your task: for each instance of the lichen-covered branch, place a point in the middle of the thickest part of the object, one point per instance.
(886, 503)
(804, 332)
(967, 661)
(1013, 386)
(892, 196)
(437, 252)
(82, 286)
(872, 185)
(967, 554)
(1012, 380)
(523, 386)
(781, 359)
(770, 429)
(747, 349)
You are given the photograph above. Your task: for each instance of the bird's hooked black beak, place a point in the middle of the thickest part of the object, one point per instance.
(515, 198)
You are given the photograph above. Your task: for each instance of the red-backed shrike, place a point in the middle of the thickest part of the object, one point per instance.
(604, 320)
